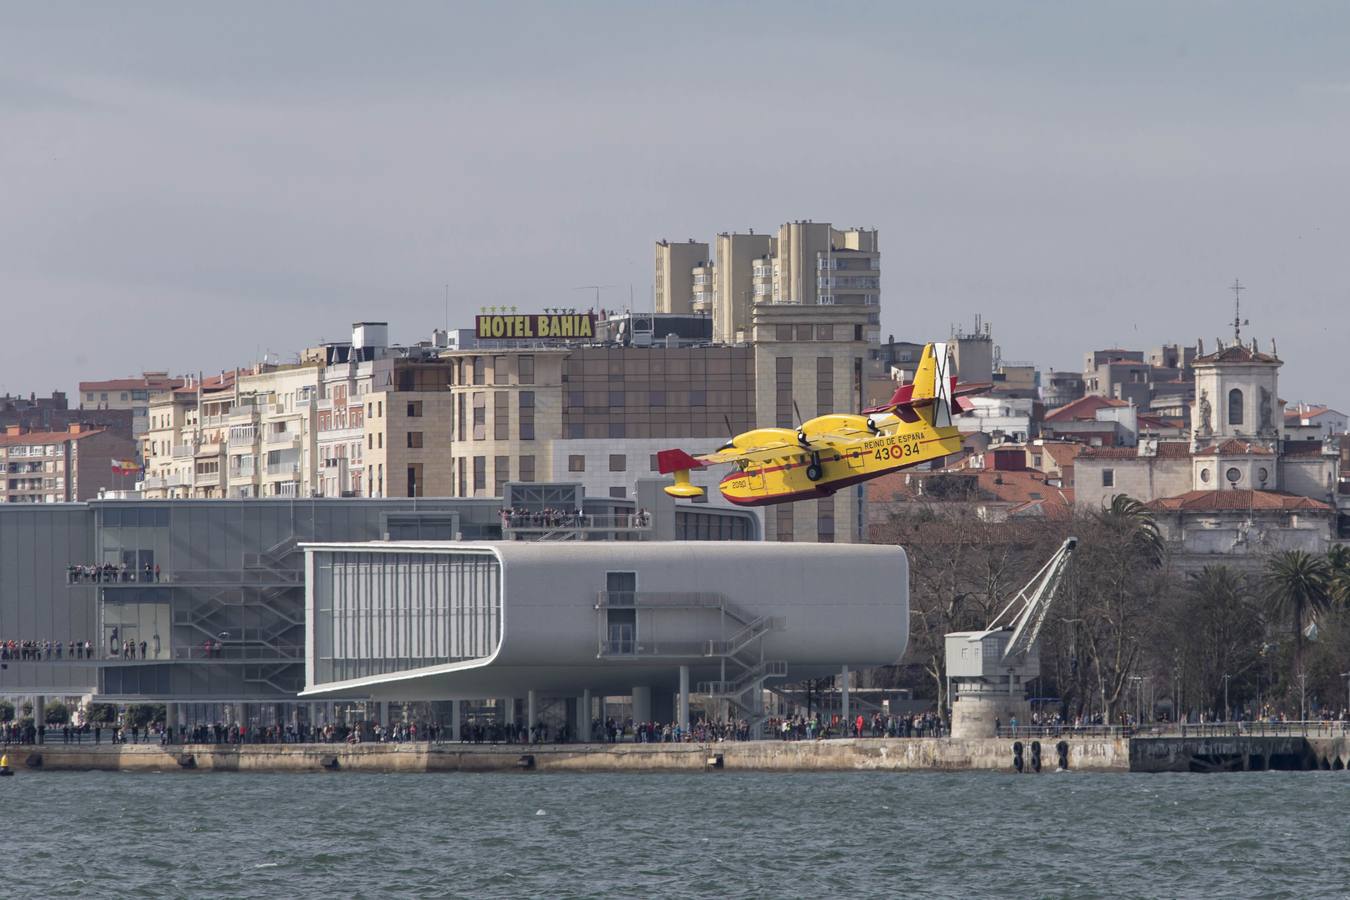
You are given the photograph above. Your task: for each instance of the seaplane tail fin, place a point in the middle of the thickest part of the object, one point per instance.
(933, 381)
(929, 395)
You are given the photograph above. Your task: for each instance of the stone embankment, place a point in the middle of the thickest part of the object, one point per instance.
(1240, 753)
(898, 755)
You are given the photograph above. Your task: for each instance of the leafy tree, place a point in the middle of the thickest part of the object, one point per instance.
(56, 713)
(1213, 633)
(6, 711)
(101, 714)
(1298, 586)
(963, 569)
(1114, 587)
(142, 714)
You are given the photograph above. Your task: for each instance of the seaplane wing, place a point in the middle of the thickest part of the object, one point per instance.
(729, 455)
(840, 440)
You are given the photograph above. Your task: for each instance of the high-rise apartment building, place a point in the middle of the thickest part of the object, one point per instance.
(744, 277)
(675, 264)
(806, 264)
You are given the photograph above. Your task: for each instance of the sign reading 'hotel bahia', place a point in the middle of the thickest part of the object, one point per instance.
(560, 326)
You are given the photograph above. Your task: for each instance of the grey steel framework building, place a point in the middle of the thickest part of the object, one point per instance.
(213, 593)
(656, 621)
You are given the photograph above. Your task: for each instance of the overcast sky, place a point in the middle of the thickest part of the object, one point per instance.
(183, 185)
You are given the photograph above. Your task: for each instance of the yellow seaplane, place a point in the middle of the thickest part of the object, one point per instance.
(824, 454)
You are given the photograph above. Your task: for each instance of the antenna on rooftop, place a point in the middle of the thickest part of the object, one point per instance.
(1237, 288)
(593, 287)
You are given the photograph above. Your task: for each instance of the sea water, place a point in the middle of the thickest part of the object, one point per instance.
(717, 834)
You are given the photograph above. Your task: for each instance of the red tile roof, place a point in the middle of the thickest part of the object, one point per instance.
(1016, 487)
(1232, 447)
(1237, 500)
(209, 384)
(46, 437)
(1174, 450)
(1166, 450)
(1295, 414)
(1084, 409)
(1161, 421)
(1301, 448)
(1062, 453)
(1109, 453)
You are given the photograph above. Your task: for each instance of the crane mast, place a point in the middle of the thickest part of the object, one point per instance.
(989, 669)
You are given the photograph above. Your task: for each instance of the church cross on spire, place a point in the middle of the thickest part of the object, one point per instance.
(1237, 288)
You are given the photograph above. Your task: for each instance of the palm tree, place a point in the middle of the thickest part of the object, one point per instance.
(1338, 565)
(1134, 521)
(1299, 585)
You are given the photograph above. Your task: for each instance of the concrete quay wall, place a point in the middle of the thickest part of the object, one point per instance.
(912, 754)
(1239, 753)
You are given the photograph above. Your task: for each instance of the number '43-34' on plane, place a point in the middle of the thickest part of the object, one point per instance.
(829, 452)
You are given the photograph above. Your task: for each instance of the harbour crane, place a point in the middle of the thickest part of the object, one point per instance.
(991, 668)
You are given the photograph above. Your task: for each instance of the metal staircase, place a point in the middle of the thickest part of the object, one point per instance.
(266, 592)
(753, 631)
(740, 653)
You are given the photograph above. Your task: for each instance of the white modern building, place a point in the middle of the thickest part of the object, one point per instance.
(657, 621)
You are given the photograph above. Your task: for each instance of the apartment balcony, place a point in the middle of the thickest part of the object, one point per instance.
(172, 480)
(340, 435)
(282, 470)
(282, 440)
(243, 437)
(245, 471)
(184, 451)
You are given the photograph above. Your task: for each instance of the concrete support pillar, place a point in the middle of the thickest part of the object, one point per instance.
(642, 704)
(455, 714)
(507, 710)
(683, 711)
(843, 694)
(531, 712)
(584, 715)
(382, 713)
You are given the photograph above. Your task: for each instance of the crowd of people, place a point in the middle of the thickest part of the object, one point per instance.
(475, 731)
(103, 573)
(877, 725)
(41, 651)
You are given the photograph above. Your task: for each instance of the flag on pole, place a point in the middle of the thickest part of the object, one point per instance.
(125, 466)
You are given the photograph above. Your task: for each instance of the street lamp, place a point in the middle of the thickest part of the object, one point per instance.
(1227, 710)
(1346, 676)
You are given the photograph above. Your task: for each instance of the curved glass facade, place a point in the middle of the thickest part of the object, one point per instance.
(378, 612)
